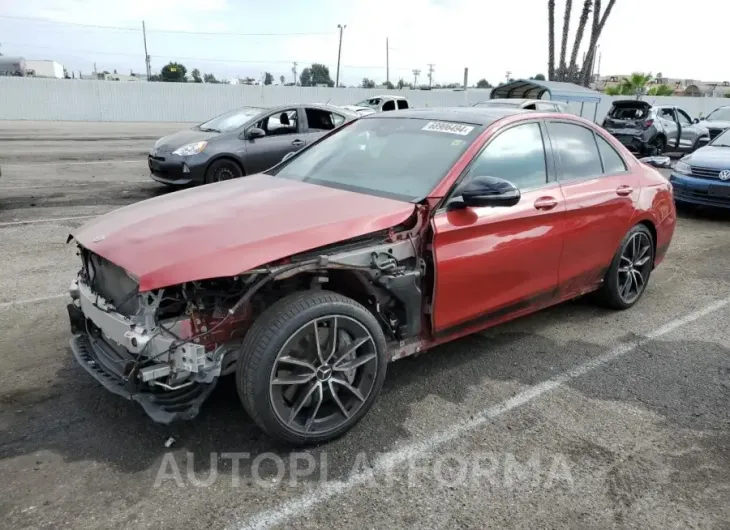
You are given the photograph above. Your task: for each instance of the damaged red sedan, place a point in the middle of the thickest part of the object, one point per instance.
(388, 236)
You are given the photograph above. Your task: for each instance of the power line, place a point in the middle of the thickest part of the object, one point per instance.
(181, 32)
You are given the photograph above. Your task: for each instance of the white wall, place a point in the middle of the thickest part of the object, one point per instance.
(86, 100)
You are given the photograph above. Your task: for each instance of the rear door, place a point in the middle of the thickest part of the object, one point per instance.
(599, 196)
(668, 119)
(496, 262)
(284, 134)
(688, 132)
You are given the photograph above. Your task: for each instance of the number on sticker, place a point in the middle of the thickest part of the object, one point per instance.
(447, 127)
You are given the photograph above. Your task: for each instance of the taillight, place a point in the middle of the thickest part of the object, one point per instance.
(648, 123)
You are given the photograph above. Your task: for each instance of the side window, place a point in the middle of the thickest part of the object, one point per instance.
(389, 105)
(667, 114)
(576, 149)
(284, 122)
(320, 120)
(338, 119)
(612, 161)
(549, 107)
(683, 117)
(517, 155)
(402, 104)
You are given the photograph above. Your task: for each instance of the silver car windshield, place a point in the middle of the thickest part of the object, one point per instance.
(722, 114)
(398, 158)
(372, 102)
(230, 121)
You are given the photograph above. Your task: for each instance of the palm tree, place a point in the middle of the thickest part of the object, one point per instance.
(563, 68)
(661, 90)
(599, 21)
(573, 69)
(551, 40)
(612, 91)
(635, 84)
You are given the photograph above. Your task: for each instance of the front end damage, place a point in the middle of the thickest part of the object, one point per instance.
(166, 349)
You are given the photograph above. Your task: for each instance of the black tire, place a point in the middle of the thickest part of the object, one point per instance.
(658, 146)
(223, 169)
(268, 338)
(611, 293)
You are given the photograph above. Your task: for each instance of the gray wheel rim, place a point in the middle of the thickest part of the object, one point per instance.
(323, 374)
(223, 173)
(634, 267)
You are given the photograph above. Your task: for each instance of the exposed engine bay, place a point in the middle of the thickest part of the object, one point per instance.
(166, 348)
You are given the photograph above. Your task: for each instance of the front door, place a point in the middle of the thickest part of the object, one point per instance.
(668, 119)
(496, 262)
(599, 196)
(283, 135)
(688, 132)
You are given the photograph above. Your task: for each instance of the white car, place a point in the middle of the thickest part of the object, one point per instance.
(379, 104)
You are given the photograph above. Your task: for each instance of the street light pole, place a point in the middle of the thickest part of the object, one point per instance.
(339, 54)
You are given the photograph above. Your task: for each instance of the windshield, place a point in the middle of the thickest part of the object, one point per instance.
(722, 140)
(497, 104)
(721, 114)
(398, 158)
(372, 102)
(230, 121)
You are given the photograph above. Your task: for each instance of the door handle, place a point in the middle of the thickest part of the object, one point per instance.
(546, 203)
(297, 143)
(624, 190)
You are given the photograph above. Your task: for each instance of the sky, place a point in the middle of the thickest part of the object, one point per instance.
(673, 37)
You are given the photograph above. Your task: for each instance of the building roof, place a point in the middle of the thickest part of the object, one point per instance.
(534, 89)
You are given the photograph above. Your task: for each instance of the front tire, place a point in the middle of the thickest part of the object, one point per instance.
(628, 274)
(223, 169)
(311, 366)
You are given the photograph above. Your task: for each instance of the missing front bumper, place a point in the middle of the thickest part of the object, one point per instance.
(163, 406)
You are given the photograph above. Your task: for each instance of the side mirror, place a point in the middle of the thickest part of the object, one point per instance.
(254, 133)
(696, 120)
(490, 191)
(661, 162)
(288, 156)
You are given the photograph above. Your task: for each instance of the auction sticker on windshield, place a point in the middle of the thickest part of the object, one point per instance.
(447, 127)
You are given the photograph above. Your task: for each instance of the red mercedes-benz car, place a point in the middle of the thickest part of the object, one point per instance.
(388, 236)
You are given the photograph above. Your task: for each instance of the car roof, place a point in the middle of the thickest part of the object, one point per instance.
(473, 115)
(321, 106)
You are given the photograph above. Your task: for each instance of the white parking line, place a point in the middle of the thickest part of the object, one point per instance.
(5, 305)
(33, 221)
(295, 507)
(70, 163)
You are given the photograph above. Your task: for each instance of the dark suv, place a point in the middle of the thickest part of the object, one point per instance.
(648, 130)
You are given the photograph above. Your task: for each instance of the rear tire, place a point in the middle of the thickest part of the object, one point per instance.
(659, 145)
(223, 169)
(630, 269)
(311, 367)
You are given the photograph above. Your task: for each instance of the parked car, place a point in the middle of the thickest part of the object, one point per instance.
(648, 130)
(544, 105)
(717, 121)
(703, 177)
(397, 232)
(379, 104)
(241, 142)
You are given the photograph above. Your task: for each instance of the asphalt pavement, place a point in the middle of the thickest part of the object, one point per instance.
(574, 417)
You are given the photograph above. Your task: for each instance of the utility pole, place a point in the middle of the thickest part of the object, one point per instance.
(146, 55)
(507, 75)
(466, 77)
(339, 54)
(430, 74)
(294, 72)
(416, 73)
(387, 61)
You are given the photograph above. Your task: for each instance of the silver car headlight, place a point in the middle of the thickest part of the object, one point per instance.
(190, 149)
(682, 168)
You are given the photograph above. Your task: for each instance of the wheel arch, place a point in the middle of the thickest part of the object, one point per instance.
(649, 224)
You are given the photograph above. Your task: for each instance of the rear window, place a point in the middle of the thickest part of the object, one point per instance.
(628, 113)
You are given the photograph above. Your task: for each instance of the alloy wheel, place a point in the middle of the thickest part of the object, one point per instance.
(634, 267)
(223, 173)
(323, 374)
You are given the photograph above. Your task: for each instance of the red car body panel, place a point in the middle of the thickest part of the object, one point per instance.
(224, 229)
(495, 264)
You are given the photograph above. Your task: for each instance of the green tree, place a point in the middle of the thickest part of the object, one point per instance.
(483, 83)
(635, 85)
(268, 78)
(539, 77)
(389, 85)
(196, 75)
(282, 79)
(173, 73)
(321, 75)
(367, 83)
(210, 78)
(305, 78)
(661, 90)
(612, 91)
